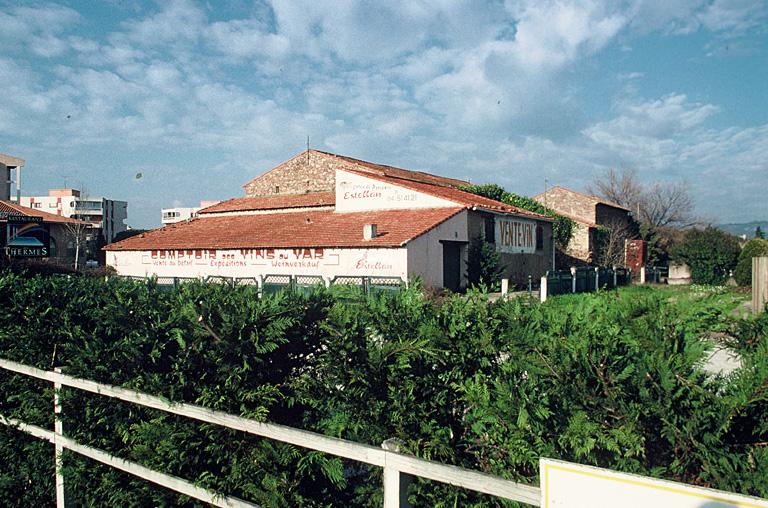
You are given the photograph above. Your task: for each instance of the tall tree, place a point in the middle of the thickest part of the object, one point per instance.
(657, 204)
(662, 209)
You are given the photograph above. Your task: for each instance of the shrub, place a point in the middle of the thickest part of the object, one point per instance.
(608, 379)
(483, 266)
(753, 248)
(710, 253)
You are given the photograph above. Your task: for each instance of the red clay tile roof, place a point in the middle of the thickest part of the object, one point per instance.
(594, 199)
(308, 200)
(6, 207)
(458, 196)
(404, 174)
(315, 228)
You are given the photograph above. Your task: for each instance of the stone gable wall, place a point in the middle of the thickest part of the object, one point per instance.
(570, 203)
(581, 242)
(299, 175)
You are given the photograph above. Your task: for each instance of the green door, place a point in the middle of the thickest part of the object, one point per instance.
(452, 265)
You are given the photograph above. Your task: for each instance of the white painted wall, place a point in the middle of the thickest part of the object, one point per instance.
(355, 193)
(425, 253)
(111, 214)
(384, 262)
(178, 214)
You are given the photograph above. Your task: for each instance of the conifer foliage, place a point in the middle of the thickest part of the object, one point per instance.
(598, 379)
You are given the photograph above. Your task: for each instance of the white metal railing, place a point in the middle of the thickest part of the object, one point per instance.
(397, 467)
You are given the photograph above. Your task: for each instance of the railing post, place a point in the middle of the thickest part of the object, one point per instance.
(504, 287)
(615, 278)
(58, 429)
(597, 278)
(543, 290)
(395, 482)
(759, 284)
(573, 279)
(642, 275)
(530, 284)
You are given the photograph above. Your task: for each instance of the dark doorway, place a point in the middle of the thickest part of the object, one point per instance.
(452, 265)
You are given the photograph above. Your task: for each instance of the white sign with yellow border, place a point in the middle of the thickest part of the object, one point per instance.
(568, 485)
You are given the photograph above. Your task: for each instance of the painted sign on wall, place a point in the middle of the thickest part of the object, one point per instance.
(515, 235)
(254, 262)
(27, 237)
(356, 193)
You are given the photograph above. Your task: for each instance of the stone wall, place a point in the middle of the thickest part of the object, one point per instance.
(569, 203)
(581, 242)
(307, 172)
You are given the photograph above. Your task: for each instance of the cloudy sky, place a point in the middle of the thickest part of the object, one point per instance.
(200, 98)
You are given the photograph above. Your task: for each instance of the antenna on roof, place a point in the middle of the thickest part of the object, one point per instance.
(307, 148)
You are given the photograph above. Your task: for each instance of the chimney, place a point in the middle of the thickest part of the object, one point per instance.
(369, 231)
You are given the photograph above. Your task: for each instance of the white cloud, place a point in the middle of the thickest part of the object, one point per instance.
(727, 17)
(491, 93)
(551, 34)
(37, 27)
(734, 16)
(659, 119)
(246, 39)
(179, 22)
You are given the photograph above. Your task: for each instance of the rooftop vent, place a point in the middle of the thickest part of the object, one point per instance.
(369, 231)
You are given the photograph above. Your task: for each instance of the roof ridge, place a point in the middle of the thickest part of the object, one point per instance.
(596, 199)
(317, 228)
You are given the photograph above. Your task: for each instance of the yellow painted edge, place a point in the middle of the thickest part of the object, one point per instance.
(676, 490)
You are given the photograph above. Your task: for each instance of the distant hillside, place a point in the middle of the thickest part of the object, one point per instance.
(746, 228)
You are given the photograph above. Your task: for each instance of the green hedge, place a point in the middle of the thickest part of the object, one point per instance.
(604, 379)
(710, 253)
(756, 247)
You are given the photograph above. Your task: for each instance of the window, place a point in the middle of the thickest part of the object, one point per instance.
(539, 238)
(277, 189)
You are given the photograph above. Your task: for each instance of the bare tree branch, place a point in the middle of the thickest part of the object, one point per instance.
(622, 188)
(657, 204)
(610, 244)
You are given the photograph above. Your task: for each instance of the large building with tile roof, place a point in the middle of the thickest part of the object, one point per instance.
(329, 215)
